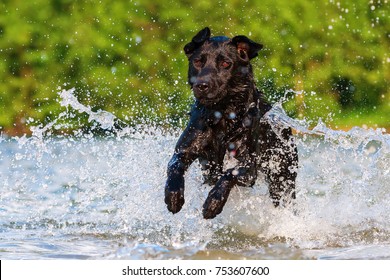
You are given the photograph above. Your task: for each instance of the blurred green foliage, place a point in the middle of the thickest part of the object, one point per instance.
(126, 56)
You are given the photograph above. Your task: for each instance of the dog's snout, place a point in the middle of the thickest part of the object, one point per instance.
(202, 87)
(204, 90)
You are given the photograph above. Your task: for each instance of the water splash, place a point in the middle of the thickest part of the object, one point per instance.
(103, 118)
(106, 195)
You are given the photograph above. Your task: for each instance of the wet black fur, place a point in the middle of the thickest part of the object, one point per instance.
(226, 119)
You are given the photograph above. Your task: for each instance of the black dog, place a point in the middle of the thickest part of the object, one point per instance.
(227, 119)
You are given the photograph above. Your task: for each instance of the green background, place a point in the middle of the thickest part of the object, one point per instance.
(126, 57)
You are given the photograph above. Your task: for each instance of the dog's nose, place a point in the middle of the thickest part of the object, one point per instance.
(202, 87)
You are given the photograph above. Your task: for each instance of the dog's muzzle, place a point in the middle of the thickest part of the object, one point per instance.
(202, 88)
(205, 92)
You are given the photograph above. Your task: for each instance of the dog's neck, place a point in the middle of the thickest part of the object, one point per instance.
(241, 97)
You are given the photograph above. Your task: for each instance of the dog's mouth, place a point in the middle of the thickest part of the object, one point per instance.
(207, 92)
(208, 98)
(208, 101)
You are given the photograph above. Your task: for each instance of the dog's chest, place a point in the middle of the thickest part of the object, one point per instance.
(233, 131)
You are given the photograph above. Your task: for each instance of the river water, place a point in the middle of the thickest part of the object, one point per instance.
(88, 197)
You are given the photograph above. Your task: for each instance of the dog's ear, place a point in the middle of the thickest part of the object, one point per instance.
(246, 47)
(197, 41)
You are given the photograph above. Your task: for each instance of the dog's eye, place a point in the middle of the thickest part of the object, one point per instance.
(197, 63)
(225, 64)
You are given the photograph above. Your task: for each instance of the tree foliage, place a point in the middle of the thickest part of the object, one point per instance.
(126, 56)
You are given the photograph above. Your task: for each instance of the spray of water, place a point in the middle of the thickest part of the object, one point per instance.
(109, 192)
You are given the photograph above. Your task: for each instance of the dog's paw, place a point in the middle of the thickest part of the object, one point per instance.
(214, 204)
(174, 200)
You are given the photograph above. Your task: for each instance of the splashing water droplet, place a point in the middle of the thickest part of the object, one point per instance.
(232, 115)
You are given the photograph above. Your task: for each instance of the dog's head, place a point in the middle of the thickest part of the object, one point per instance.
(219, 66)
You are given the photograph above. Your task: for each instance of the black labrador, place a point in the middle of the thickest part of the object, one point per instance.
(226, 119)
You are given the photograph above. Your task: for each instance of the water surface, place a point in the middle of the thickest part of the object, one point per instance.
(86, 197)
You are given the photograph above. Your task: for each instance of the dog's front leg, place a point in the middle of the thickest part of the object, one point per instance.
(174, 187)
(244, 176)
(190, 145)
